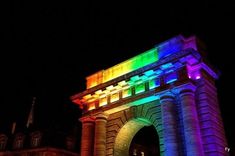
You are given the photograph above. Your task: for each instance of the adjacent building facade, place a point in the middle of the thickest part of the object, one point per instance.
(37, 143)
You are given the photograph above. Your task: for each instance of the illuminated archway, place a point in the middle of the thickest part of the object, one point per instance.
(170, 86)
(126, 134)
(145, 142)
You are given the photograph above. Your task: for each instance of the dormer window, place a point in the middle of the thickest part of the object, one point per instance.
(35, 140)
(18, 141)
(3, 141)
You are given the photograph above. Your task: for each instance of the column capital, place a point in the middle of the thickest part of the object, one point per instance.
(102, 115)
(187, 87)
(87, 119)
(171, 93)
(167, 95)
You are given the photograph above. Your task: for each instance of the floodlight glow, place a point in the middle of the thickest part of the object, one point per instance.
(198, 77)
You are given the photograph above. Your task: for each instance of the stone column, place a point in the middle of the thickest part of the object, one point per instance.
(87, 139)
(169, 121)
(192, 134)
(100, 135)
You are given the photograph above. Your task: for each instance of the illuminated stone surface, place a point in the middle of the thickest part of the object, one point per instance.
(169, 122)
(87, 136)
(100, 135)
(170, 87)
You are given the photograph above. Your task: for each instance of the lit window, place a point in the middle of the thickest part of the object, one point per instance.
(18, 141)
(36, 139)
(3, 141)
(35, 142)
(18, 144)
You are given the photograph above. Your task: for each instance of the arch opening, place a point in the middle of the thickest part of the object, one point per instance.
(145, 142)
(129, 135)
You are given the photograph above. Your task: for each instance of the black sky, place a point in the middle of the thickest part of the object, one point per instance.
(49, 47)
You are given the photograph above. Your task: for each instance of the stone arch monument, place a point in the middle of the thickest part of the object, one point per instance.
(171, 87)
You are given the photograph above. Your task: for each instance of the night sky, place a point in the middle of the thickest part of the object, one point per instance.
(49, 47)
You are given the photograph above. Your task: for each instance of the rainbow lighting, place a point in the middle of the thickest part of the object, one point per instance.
(162, 74)
(150, 56)
(169, 87)
(132, 64)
